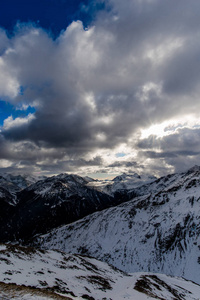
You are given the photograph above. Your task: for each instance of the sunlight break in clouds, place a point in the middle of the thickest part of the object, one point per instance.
(171, 126)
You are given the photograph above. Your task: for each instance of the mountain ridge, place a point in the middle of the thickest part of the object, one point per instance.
(49, 203)
(155, 232)
(144, 232)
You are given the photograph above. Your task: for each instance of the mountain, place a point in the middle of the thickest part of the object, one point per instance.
(16, 183)
(29, 273)
(155, 232)
(123, 182)
(59, 200)
(7, 204)
(52, 202)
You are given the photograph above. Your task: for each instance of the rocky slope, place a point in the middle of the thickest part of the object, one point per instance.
(28, 273)
(156, 232)
(16, 183)
(52, 202)
(29, 207)
(10, 186)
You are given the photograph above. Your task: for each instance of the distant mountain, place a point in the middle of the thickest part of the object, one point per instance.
(157, 231)
(29, 274)
(50, 203)
(10, 187)
(122, 182)
(16, 183)
(45, 204)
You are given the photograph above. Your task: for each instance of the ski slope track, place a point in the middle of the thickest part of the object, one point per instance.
(155, 232)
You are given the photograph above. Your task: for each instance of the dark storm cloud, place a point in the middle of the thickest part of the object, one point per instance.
(123, 164)
(26, 151)
(69, 165)
(166, 155)
(72, 164)
(4, 41)
(96, 88)
(3, 147)
(154, 154)
(180, 150)
(182, 72)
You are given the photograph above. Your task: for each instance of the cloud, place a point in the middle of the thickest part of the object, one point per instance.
(97, 88)
(123, 164)
(180, 149)
(183, 139)
(9, 123)
(9, 85)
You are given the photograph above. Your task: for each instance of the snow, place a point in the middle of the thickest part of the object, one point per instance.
(23, 297)
(75, 276)
(154, 234)
(157, 232)
(122, 182)
(2, 247)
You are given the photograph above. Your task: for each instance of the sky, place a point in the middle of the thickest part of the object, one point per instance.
(99, 87)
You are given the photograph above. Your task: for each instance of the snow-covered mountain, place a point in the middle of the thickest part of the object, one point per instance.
(10, 186)
(122, 182)
(16, 183)
(53, 202)
(28, 273)
(156, 232)
(155, 229)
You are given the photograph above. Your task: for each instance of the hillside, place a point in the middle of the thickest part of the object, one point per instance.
(156, 232)
(47, 204)
(28, 273)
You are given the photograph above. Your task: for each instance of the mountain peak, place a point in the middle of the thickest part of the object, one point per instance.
(195, 168)
(125, 176)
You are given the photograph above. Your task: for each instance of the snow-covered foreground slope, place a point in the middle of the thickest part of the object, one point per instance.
(158, 232)
(27, 273)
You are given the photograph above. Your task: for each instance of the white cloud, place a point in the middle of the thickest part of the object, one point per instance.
(10, 123)
(171, 126)
(4, 163)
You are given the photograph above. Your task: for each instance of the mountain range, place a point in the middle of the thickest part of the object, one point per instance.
(155, 232)
(141, 225)
(30, 207)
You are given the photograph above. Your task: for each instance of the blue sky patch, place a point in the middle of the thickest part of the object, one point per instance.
(122, 154)
(7, 109)
(53, 15)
